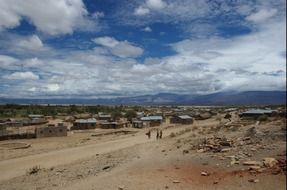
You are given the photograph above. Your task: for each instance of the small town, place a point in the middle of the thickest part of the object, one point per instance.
(143, 95)
(179, 147)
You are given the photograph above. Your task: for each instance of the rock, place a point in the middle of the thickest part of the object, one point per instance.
(252, 163)
(106, 167)
(121, 187)
(215, 182)
(205, 174)
(225, 149)
(234, 162)
(254, 167)
(185, 151)
(232, 157)
(175, 181)
(225, 143)
(253, 180)
(270, 162)
(251, 132)
(200, 151)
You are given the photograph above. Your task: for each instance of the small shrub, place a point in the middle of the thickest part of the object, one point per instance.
(172, 134)
(34, 170)
(262, 118)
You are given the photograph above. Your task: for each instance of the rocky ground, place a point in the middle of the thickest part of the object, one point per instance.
(209, 154)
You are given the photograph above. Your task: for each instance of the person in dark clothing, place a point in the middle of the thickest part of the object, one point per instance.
(157, 134)
(148, 134)
(160, 134)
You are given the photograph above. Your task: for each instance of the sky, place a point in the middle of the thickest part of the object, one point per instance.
(116, 48)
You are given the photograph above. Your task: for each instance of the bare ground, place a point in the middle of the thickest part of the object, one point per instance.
(135, 162)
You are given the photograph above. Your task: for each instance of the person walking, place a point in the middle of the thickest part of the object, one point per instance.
(148, 134)
(160, 134)
(157, 134)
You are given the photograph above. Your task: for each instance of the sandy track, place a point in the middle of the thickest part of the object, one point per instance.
(19, 166)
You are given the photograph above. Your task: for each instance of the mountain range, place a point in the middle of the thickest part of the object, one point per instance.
(221, 98)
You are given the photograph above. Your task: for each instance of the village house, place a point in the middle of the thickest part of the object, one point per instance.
(3, 129)
(81, 124)
(35, 116)
(113, 124)
(51, 131)
(181, 119)
(152, 121)
(255, 113)
(104, 117)
(137, 124)
(12, 123)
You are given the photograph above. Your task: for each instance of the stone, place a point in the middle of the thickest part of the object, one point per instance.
(175, 181)
(204, 174)
(252, 163)
(254, 167)
(225, 149)
(106, 167)
(121, 187)
(270, 162)
(234, 162)
(200, 151)
(253, 180)
(185, 151)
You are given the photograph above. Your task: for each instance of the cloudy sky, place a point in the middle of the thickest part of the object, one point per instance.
(110, 48)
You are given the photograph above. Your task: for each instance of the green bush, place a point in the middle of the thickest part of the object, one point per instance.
(262, 118)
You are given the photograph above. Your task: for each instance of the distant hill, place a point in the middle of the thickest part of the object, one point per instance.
(222, 98)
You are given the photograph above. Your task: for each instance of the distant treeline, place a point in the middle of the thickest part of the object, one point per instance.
(13, 110)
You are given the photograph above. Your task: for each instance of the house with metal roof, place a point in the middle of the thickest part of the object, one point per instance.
(81, 124)
(104, 117)
(152, 121)
(181, 119)
(254, 113)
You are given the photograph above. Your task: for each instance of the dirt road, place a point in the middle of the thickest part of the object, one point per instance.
(19, 166)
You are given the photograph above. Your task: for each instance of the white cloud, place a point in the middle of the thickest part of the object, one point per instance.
(147, 29)
(155, 4)
(21, 76)
(32, 62)
(32, 89)
(140, 11)
(52, 17)
(126, 49)
(261, 15)
(200, 64)
(98, 14)
(32, 43)
(149, 5)
(122, 49)
(52, 87)
(106, 41)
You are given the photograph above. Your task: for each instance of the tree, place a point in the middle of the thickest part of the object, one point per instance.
(130, 115)
(228, 116)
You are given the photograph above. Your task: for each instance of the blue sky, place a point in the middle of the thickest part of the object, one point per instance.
(107, 48)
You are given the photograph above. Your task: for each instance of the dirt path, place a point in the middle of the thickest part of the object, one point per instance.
(19, 166)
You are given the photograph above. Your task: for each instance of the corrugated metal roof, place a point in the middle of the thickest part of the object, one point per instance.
(91, 120)
(105, 115)
(258, 111)
(151, 118)
(184, 117)
(35, 115)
